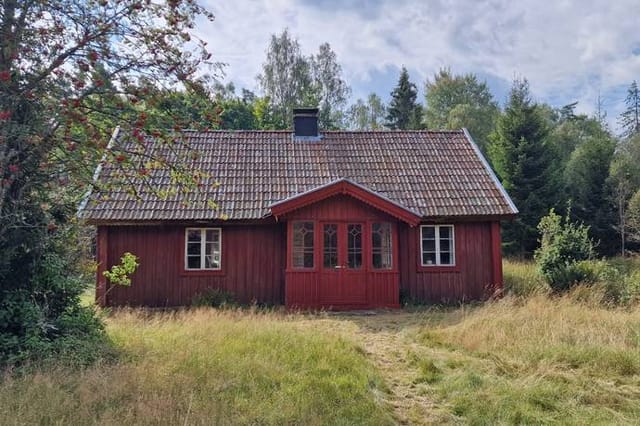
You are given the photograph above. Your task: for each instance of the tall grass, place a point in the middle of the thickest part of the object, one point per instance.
(206, 367)
(542, 360)
(532, 357)
(522, 279)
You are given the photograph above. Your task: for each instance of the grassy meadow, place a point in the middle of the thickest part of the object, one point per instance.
(206, 367)
(529, 358)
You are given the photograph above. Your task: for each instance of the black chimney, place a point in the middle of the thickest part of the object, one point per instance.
(305, 122)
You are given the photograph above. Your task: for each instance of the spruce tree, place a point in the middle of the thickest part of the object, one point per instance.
(525, 166)
(586, 187)
(630, 117)
(403, 112)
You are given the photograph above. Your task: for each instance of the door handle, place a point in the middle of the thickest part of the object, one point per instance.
(338, 267)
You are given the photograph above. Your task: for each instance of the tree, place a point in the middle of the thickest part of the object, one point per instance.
(403, 113)
(456, 101)
(265, 116)
(601, 113)
(289, 80)
(583, 149)
(332, 91)
(189, 109)
(624, 179)
(286, 79)
(235, 112)
(586, 187)
(630, 117)
(68, 71)
(367, 115)
(524, 164)
(569, 131)
(633, 217)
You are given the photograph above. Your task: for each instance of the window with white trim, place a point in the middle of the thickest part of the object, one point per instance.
(438, 245)
(203, 248)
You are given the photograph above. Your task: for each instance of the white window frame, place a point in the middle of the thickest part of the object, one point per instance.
(437, 243)
(203, 248)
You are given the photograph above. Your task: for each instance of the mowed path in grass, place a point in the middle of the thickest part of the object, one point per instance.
(538, 360)
(516, 361)
(387, 339)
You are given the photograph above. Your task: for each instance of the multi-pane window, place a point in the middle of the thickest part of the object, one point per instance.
(203, 248)
(354, 246)
(437, 242)
(330, 254)
(381, 245)
(303, 245)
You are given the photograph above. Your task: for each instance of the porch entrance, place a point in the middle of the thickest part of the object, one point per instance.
(342, 247)
(343, 274)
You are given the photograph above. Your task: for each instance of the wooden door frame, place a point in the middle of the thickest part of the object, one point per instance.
(372, 277)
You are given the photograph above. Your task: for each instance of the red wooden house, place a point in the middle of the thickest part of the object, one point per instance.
(339, 219)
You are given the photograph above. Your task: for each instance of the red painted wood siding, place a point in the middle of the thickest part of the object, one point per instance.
(340, 208)
(254, 261)
(308, 288)
(472, 278)
(253, 264)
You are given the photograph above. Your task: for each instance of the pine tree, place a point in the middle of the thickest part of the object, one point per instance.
(525, 166)
(403, 112)
(630, 117)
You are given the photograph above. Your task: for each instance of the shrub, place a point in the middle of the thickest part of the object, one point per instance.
(563, 245)
(121, 274)
(620, 288)
(215, 298)
(616, 282)
(40, 313)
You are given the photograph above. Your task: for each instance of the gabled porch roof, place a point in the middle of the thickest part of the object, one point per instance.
(350, 188)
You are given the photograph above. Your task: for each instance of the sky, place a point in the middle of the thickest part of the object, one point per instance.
(568, 50)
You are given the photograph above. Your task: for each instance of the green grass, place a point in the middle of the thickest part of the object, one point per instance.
(539, 361)
(522, 279)
(206, 367)
(530, 358)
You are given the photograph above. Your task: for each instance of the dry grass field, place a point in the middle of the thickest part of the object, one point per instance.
(534, 359)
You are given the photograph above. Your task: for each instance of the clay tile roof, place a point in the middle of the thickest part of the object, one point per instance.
(432, 173)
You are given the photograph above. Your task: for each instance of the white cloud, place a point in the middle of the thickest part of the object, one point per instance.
(569, 50)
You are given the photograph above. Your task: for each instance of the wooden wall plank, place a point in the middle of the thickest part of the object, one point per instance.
(470, 279)
(160, 279)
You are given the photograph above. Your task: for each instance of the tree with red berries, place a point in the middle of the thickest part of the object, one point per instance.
(69, 72)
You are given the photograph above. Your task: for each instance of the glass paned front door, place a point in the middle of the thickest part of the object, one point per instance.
(354, 246)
